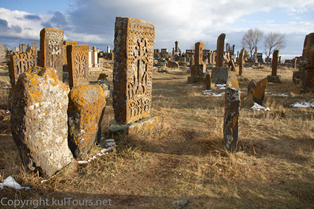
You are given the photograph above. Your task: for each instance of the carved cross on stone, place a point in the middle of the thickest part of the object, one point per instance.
(55, 53)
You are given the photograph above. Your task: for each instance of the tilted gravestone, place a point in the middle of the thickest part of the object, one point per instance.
(39, 121)
(259, 91)
(251, 87)
(231, 116)
(20, 63)
(274, 77)
(51, 40)
(132, 73)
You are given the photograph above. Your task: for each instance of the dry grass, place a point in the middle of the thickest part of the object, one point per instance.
(184, 159)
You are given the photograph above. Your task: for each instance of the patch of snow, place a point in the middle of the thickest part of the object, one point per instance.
(208, 92)
(7, 87)
(10, 182)
(7, 111)
(259, 107)
(221, 86)
(303, 104)
(249, 68)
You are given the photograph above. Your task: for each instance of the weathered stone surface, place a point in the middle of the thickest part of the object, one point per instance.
(132, 72)
(251, 87)
(308, 81)
(39, 120)
(241, 61)
(144, 125)
(64, 54)
(20, 63)
(231, 65)
(274, 63)
(207, 81)
(86, 106)
(198, 69)
(51, 40)
(260, 90)
(308, 45)
(104, 85)
(296, 77)
(274, 78)
(220, 50)
(232, 110)
(78, 64)
(172, 64)
(220, 75)
(198, 53)
(192, 62)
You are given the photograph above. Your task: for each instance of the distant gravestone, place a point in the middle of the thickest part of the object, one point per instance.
(2, 53)
(274, 77)
(78, 64)
(20, 63)
(51, 40)
(22, 48)
(241, 61)
(231, 65)
(207, 81)
(260, 90)
(231, 116)
(198, 69)
(220, 50)
(132, 72)
(34, 45)
(39, 121)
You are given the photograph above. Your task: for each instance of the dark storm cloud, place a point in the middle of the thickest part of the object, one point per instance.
(32, 17)
(5, 27)
(58, 19)
(46, 25)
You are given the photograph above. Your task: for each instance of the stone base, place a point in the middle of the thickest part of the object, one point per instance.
(144, 125)
(220, 75)
(307, 81)
(195, 79)
(273, 78)
(296, 78)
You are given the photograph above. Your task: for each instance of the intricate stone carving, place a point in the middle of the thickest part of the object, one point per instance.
(132, 76)
(20, 63)
(51, 49)
(78, 64)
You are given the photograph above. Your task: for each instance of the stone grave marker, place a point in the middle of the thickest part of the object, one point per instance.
(51, 40)
(241, 61)
(220, 73)
(39, 121)
(132, 75)
(274, 77)
(78, 64)
(20, 63)
(198, 69)
(231, 116)
(260, 90)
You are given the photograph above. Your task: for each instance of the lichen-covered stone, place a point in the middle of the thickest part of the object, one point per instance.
(260, 91)
(231, 117)
(86, 106)
(274, 78)
(274, 63)
(251, 86)
(39, 120)
(220, 75)
(220, 50)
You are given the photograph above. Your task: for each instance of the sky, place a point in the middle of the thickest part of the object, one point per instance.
(186, 21)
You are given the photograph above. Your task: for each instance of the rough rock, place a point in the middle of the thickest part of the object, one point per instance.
(86, 107)
(39, 121)
(220, 75)
(172, 64)
(260, 90)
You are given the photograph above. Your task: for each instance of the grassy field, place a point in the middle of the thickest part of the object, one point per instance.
(273, 166)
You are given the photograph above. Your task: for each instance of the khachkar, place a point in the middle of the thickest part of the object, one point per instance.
(51, 40)
(78, 64)
(306, 66)
(20, 63)
(132, 75)
(274, 77)
(232, 110)
(220, 73)
(198, 69)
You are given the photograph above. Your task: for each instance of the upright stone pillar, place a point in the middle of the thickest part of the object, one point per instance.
(176, 49)
(108, 49)
(51, 40)
(231, 117)
(22, 48)
(241, 61)
(199, 67)
(132, 75)
(227, 47)
(220, 50)
(34, 45)
(78, 65)
(232, 49)
(274, 77)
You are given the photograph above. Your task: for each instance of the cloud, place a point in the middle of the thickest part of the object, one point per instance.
(32, 17)
(58, 19)
(46, 25)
